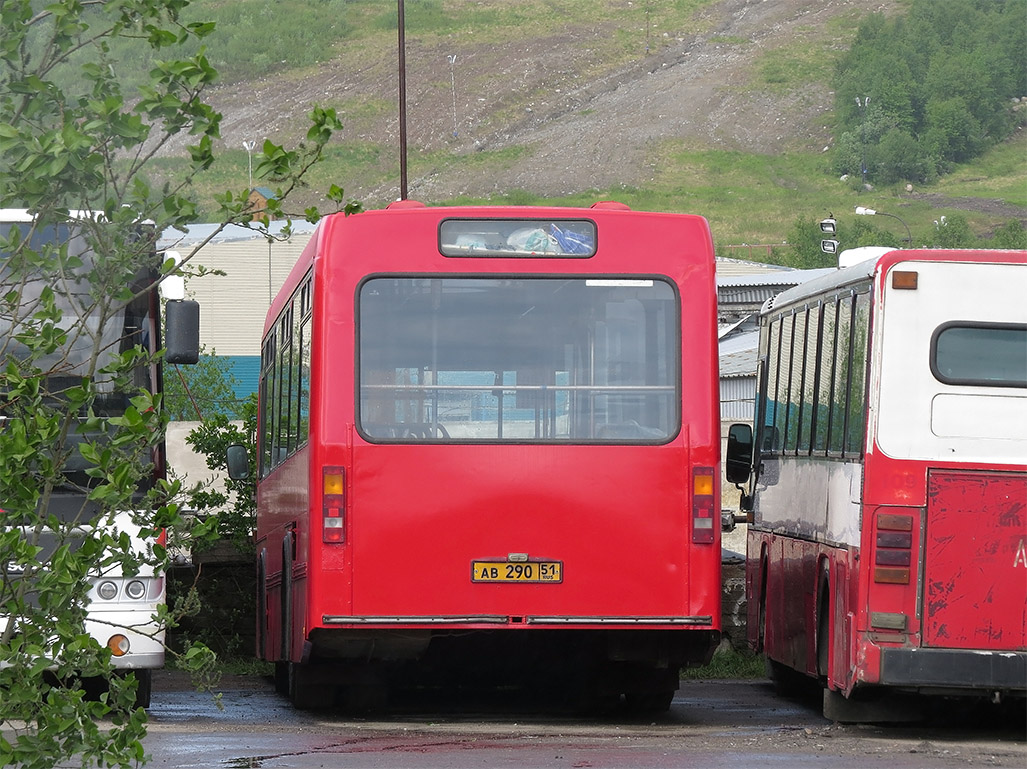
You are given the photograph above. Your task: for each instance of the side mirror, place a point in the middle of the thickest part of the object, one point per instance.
(739, 453)
(182, 331)
(238, 461)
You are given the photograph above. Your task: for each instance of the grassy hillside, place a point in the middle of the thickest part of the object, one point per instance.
(545, 65)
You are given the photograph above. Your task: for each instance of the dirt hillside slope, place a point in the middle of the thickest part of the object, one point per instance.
(583, 132)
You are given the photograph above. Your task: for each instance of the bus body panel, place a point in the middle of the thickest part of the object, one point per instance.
(939, 492)
(975, 558)
(544, 504)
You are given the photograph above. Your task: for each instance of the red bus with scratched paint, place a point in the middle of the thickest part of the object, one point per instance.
(887, 554)
(489, 447)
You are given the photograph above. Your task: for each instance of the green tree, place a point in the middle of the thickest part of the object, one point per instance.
(229, 509)
(1012, 234)
(805, 236)
(953, 232)
(80, 423)
(940, 79)
(195, 393)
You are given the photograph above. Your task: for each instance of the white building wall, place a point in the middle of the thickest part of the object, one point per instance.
(233, 306)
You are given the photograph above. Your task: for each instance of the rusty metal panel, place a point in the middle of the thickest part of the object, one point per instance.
(975, 586)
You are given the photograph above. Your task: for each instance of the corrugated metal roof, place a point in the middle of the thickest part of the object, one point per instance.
(197, 233)
(738, 354)
(788, 277)
(726, 267)
(826, 281)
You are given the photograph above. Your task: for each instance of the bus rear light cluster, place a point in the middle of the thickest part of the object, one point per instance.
(333, 519)
(704, 516)
(893, 554)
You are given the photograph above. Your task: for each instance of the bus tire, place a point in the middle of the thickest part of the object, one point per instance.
(648, 703)
(308, 688)
(886, 707)
(282, 678)
(144, 687)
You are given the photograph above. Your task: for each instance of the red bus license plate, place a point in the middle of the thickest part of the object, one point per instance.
(506, 571)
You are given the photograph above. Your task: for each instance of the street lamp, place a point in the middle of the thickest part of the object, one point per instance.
(863, 130)
(861, 211)
(249, 145)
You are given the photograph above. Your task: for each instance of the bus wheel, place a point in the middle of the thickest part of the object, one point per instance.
(308, 688)
(870, 708)
(144, 687)
(642, 703)
(282, 678)
(365, 698)
(651, 691)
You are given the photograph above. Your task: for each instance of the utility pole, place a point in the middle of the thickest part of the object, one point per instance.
(402, 103)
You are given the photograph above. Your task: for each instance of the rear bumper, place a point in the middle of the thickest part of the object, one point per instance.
(961, 669)
(145, 639)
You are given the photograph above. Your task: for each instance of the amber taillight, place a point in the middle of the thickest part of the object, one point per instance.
(333, 501)
(704, 517)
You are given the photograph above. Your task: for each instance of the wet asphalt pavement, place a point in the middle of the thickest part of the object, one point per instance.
(710, 724)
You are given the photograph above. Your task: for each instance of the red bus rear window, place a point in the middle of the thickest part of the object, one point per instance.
(570, 359)
(518, 237)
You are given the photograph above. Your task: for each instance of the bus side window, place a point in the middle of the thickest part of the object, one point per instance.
(773, 408)
(857, 392)
(840, 386)
(825, 391)
(796, 355)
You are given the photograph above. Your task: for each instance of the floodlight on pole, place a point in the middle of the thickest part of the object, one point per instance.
(863, 211)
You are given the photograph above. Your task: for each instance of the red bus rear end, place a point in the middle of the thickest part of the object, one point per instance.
(490, 446)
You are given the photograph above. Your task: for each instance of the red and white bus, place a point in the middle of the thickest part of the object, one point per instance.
(489, 440)
(888, 548)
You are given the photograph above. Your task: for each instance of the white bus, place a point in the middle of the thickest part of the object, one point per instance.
(121, 608)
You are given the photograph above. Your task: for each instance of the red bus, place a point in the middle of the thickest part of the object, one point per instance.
(489, 444)
(887, 554)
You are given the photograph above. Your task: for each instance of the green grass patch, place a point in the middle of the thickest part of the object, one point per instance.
(728, 663)
(245, 666)
(1000, 173)
(805, 61)
(757, 199)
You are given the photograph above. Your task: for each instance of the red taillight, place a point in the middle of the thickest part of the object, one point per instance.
(893, 549)
(333, 519)
(704, 514)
